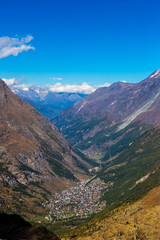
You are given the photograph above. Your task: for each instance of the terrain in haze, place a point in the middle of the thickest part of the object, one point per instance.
(49, 103)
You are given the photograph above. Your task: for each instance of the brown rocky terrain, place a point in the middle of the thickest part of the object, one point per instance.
(35, 159)
(140, 220)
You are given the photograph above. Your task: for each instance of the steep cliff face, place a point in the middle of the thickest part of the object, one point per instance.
(35, 159)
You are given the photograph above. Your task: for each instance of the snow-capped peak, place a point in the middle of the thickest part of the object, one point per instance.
(155, 74)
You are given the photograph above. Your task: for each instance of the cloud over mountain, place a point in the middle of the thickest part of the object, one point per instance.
(72, 88)
(58, 87)
(14, 46)
(10, 81)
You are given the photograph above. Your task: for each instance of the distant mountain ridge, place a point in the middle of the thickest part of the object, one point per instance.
(49, 103)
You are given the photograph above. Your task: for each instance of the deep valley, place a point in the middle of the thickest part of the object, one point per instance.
(102, 182)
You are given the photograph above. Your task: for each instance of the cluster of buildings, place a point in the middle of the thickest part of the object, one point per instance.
(78, 202)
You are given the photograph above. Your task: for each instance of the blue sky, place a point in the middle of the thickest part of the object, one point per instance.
(80, 41)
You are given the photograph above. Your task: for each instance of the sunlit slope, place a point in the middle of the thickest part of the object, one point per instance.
(131, 176)
(140, 220)
(104, 123)
(35, 159)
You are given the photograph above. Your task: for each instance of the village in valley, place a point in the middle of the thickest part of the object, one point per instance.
(78, 202)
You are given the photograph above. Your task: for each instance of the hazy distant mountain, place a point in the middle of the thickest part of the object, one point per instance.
(50, 104)
(35, 159)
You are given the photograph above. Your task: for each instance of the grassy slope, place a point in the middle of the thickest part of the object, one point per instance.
(135, 221)
(140, 159)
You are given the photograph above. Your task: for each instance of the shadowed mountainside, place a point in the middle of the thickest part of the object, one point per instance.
(13, 227)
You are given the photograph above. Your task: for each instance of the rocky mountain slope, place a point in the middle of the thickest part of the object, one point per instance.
(35, 159)
(104, 123)
(125, 138)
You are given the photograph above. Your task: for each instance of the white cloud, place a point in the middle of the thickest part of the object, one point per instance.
(13, 81)
(103, 85)
(55, 78)
(123, 81)
(14, 46)
(24, 87)
(14, 84)
(82, 88)
(10, 81)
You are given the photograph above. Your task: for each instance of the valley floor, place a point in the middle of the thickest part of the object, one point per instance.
(78, 202)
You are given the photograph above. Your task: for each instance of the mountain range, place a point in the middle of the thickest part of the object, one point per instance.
(49, 103)
(104, 123)
(118, 127)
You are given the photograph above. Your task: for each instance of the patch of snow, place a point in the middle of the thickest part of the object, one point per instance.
(123, 81)
(25, 89)
(156, 73)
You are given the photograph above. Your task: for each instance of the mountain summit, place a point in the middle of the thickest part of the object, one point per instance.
(155, 74)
